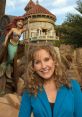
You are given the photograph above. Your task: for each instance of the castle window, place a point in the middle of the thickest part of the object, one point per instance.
(44, 31)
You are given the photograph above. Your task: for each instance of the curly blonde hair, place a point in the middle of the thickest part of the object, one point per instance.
(33, 81)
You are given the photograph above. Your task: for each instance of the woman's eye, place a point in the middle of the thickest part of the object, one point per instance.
(36, 62)
(47, 59)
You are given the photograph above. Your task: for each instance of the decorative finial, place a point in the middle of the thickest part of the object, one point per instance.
(37, 2)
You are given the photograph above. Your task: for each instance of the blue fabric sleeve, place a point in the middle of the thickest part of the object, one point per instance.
(77, 98)
(25, 106)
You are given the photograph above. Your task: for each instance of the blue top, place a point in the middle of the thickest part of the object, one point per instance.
(68, 103)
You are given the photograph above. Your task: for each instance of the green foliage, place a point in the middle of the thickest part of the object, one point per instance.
(71, 30)
(79, 4)
(56, 43)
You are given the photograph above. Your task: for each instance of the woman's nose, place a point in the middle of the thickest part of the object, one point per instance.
(43, 65)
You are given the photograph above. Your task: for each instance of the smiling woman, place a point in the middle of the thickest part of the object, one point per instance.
(47, 86)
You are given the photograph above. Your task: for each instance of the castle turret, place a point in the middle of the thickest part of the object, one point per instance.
(40, 22)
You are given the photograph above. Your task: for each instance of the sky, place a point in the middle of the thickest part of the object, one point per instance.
(60, 8)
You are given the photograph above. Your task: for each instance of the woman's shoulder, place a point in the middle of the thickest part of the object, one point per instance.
(26, 94)
(75, 86)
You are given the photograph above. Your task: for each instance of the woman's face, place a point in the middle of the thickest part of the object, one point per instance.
(43, 64)
(20, 23)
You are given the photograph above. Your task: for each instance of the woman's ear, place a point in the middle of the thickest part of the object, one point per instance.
(33, 69)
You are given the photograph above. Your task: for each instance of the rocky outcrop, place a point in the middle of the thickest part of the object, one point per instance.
(9, 105)
(72, 60)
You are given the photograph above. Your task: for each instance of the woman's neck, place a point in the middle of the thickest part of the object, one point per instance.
(51, 90)
(50, 84)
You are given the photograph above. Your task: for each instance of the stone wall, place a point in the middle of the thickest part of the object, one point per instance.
(2, 7)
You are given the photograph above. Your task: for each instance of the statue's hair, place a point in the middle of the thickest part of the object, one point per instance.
(13, 24)
(33, 81)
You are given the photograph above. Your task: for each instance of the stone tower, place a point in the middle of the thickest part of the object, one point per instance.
(40, 23)
(2, 7)
(2, 12)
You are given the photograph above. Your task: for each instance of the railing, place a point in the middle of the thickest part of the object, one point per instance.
(44, 38)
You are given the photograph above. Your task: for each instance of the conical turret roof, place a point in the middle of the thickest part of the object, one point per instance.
(30, 5)
(35, 9)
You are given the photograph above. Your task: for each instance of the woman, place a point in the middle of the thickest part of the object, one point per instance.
(49, 93)
(11, 41)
